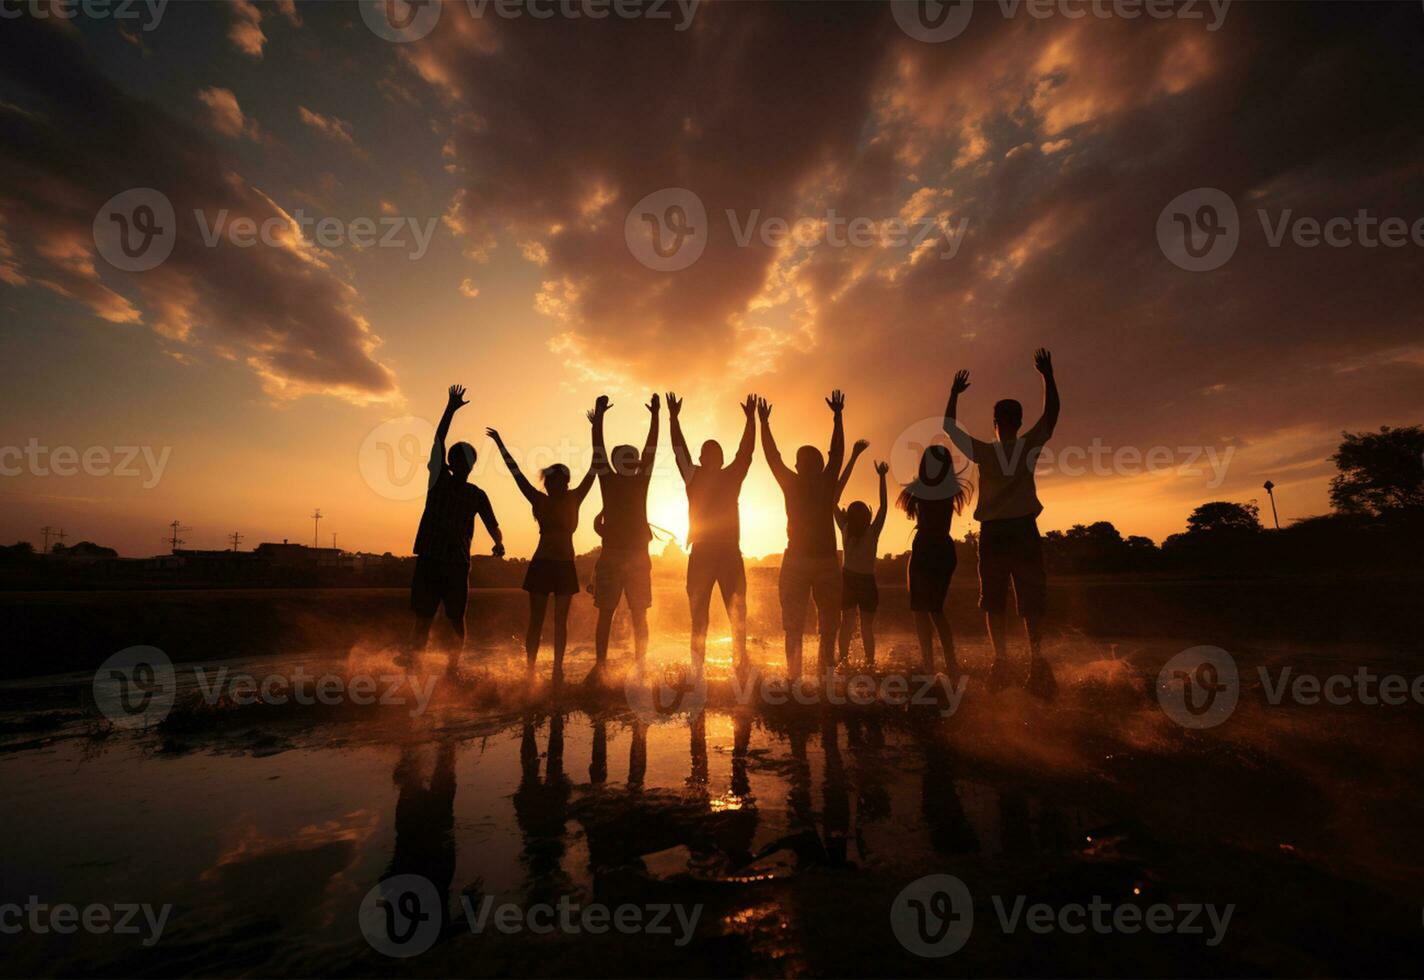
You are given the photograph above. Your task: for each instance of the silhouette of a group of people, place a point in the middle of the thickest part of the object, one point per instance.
(812, 568)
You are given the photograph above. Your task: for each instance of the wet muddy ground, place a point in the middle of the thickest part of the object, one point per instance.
(782, 834)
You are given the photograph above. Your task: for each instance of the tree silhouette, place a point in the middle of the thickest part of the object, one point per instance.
(1381, 473)
(1224, 515)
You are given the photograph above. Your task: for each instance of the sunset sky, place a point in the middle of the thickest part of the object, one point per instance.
(1049, 145)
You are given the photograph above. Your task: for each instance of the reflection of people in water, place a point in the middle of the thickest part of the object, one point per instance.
(836, 791)
(541, 809)
(697, 731)
(949, 828)
(866, 739)
(425, 821)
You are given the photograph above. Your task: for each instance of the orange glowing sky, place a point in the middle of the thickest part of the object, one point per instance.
(522, 145)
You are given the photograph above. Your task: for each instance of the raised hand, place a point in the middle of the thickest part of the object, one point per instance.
(655, 404)
(750, 405)
(1043, 362)
(674, 405)
(882, 467)
(861, 445)
(601, 405)
(494, 434)
(961, 382)
(836, 401)
(457, 396)
(763, 409)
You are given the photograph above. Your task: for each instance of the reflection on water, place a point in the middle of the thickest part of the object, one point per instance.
(794, 828)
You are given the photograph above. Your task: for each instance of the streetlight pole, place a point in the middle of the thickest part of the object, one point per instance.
(1270, 492)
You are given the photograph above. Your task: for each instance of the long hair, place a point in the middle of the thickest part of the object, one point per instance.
(937, 480)
(857, 520)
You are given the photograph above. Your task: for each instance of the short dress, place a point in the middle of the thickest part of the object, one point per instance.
(551, 570)
(932, 556)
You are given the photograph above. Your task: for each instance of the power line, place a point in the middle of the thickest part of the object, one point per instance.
(236, 539)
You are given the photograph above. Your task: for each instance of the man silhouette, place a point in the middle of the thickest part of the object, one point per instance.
(810, 568)
(714, 530)
(624, 569)
(442, 542)
(1008, 509)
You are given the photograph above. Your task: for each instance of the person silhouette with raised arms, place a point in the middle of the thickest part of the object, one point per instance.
(931, 501)
(442, 541)
(1008, 509)
(810, 567)
(624, 569)
(551, 570)
(714, 530)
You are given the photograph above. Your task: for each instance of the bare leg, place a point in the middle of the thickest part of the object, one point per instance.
(793, 654)
(561, 633)
(925, 630)
(698, 605)
(1041, 681)
(419, 633)
(847, 627)
(829, 620)
(946, 641)
(867, 635)
(600, 638)
(640, 635)
(998, 674)
(457, 623)
(736, 605)
(537, 605)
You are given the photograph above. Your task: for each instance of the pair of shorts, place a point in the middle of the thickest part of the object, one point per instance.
(1012, 550)
(623, 574)
(715, 567)
(551, 576)
(437, 582)
(859, 591)
(803, 579)
(932, 564)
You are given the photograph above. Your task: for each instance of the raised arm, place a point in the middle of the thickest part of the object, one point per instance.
(1043, 363)
(743, 460)
(860, 446)
(836, 454)
(525, 487)
(680, 452)
(453, 404)
(962, 440)
(779, 469)
(650, 448)
(881, 468)
(600, 465)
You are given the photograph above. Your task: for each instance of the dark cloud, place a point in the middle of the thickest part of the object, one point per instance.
(72, 140)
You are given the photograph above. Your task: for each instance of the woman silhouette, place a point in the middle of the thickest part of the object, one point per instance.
(551, 570)
(938, 493)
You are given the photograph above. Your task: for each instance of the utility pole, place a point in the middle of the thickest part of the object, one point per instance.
(236, 539)
(316, 528)
(1270, 492)
(46, 531)
(174, 541)
(60, 536)
(333, 540)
